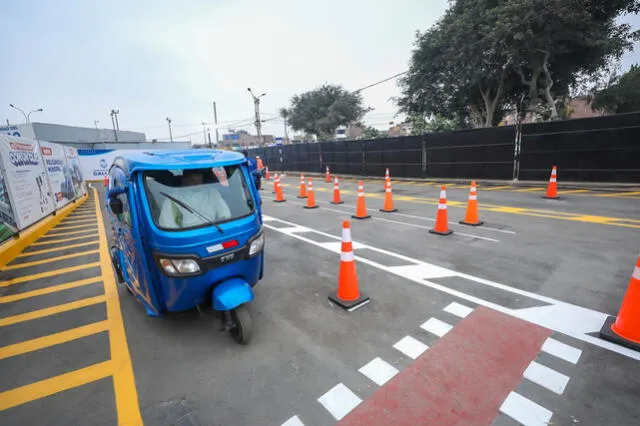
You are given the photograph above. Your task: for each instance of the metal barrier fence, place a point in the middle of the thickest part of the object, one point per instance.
(605, 149)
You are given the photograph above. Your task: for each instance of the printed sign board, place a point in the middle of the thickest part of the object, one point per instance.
(58, 173)
(73, 162)
(23, 170)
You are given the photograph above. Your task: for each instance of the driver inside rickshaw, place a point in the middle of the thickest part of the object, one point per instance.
(200, 201)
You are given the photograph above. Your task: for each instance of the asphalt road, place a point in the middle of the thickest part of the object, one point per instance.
(506, 311)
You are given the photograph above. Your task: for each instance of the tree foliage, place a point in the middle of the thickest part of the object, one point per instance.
(371, 133)
(623, 95)
(478, 60)
(321, 111)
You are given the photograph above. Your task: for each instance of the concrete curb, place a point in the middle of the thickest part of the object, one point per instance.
(14, 246)
(593, 186)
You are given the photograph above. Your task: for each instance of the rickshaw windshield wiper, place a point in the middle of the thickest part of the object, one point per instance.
(192, 210)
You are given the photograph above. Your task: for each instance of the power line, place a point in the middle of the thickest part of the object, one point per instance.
(381, 81)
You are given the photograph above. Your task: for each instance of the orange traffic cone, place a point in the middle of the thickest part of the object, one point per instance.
(303, 188)
(552, 189)
(311, 198)
(625, 329)
(348, 295)
(267, 176)
(279, 194)
(471, 218)
(442, 224)
(386, 175)
(388, 197)
(276, 179)
(327, 176)
(361, 207)
(106, 181)
(336, 192)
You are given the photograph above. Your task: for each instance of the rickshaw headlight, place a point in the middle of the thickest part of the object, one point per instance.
(256, 245)
(179, 266)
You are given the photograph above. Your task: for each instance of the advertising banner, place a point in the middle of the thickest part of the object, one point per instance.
(73, 163)
(95, 163)
(26, 180)
(58, 173)
(7, 222)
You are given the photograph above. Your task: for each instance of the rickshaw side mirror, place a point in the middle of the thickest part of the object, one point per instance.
(115, 205)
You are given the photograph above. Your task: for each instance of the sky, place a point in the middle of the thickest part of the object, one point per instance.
(79, 59)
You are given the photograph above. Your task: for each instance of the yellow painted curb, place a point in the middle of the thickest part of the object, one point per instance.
(11, 248)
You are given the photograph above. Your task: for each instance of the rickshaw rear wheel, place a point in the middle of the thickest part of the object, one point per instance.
(116, 265)
(242, 329)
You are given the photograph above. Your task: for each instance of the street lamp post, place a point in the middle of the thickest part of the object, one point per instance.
(113, 123)
(95, 123)
(170, 133)
(256, 104)
(26, 116)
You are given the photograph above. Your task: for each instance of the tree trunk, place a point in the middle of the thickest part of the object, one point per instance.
(547, 87)
(532, 84)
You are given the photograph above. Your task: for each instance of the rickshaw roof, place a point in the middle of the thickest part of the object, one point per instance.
(177, 159)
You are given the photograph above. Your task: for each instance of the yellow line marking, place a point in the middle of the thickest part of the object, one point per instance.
(31, 253)
(618, 194)
(56, 234)
(81, 214)
(530, 190)
(76, 221)
(48, 290)
(51, 259)
(47, 387)
(86, 225)
(496, 188)
(574, 191)
(123, 378)
(62, 240)
(53, 339)
(47, 274)
(45, 312)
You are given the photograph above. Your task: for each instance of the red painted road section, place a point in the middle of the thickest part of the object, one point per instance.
(462, 379)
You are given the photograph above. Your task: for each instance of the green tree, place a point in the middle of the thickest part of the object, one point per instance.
(371, 133)
(621, 96)
(322, 110)
(440, 124)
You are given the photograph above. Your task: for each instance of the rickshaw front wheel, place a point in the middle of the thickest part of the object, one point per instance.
(242, 329)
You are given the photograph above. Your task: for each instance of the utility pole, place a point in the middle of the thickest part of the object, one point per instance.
(285, 114)
(215, 120)
(209, 135)
(256, 104)
(115, 112)
(204, 133)
(95, 123)
(170, 133)
(113, 123)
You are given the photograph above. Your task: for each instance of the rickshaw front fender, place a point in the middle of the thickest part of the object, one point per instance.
(230, 294)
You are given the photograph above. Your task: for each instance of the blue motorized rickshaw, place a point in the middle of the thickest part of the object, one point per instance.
(187, 232)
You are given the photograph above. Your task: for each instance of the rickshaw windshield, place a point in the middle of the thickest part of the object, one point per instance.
(192, 198)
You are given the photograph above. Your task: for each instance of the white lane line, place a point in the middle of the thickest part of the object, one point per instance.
(437, 327)
(525, 411)
(555, 316)
(458, 310)
(412, 225)
(546, 377)
(293, 421)
(339, 401)
(562, 350)
(379, 371)
(422, 271)
(410, 347)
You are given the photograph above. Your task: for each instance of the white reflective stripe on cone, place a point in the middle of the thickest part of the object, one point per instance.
(388, 189)
(347, 257)
(473, 197)
(636, 273)
(473, 189)
(346, 235)
(442, 206)
(552, 179)
(443, 194)
(360, 187)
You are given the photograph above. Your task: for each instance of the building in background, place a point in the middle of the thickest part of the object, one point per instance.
(242, 138)
(88, 137)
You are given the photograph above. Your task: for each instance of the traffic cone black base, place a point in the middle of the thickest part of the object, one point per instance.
(462, 222)
(312, 207)
(449, 232)
(389, 211)
(279, 201)
(361, 217)
(550, 198)
(607, 333)
(351, 305)
(332, 202)
(301, 197)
